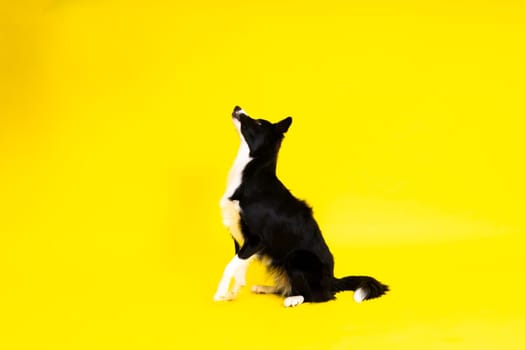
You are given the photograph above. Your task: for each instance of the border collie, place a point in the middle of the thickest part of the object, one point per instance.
(268, 222)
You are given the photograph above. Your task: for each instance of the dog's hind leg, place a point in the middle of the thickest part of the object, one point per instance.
(266, 290)
(300, 290)
(282, 284)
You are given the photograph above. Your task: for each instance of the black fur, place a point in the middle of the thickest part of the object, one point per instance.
(279, 226)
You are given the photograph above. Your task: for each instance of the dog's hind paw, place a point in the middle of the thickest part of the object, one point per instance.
(225, 297)
(293, 301)
(264, 290)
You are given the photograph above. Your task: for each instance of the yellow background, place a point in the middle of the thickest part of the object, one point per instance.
(115, 141)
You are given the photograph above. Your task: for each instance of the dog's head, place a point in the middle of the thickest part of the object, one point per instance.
(262, 137)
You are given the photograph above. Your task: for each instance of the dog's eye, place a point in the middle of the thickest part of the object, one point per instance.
(258, 122)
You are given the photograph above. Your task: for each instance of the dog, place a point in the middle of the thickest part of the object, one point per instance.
(267, 222)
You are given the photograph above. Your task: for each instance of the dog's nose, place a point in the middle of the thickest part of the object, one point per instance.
(237, 111)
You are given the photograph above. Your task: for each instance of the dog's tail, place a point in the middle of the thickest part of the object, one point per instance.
(364, 287)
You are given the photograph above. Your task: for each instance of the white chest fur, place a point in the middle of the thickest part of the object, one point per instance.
(231, 209)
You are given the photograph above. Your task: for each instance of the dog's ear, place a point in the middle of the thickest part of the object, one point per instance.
(284, 124)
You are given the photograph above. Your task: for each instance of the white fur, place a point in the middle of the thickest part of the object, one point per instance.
(293, 301)
(360, 295)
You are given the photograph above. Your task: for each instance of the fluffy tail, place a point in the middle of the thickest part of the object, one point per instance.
(364, 287)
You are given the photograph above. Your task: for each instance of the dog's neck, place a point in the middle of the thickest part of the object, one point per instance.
(235, 174)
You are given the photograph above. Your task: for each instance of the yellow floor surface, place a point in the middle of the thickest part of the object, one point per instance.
(115, 142)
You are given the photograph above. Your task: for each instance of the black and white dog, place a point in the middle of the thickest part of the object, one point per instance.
(268, 222)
